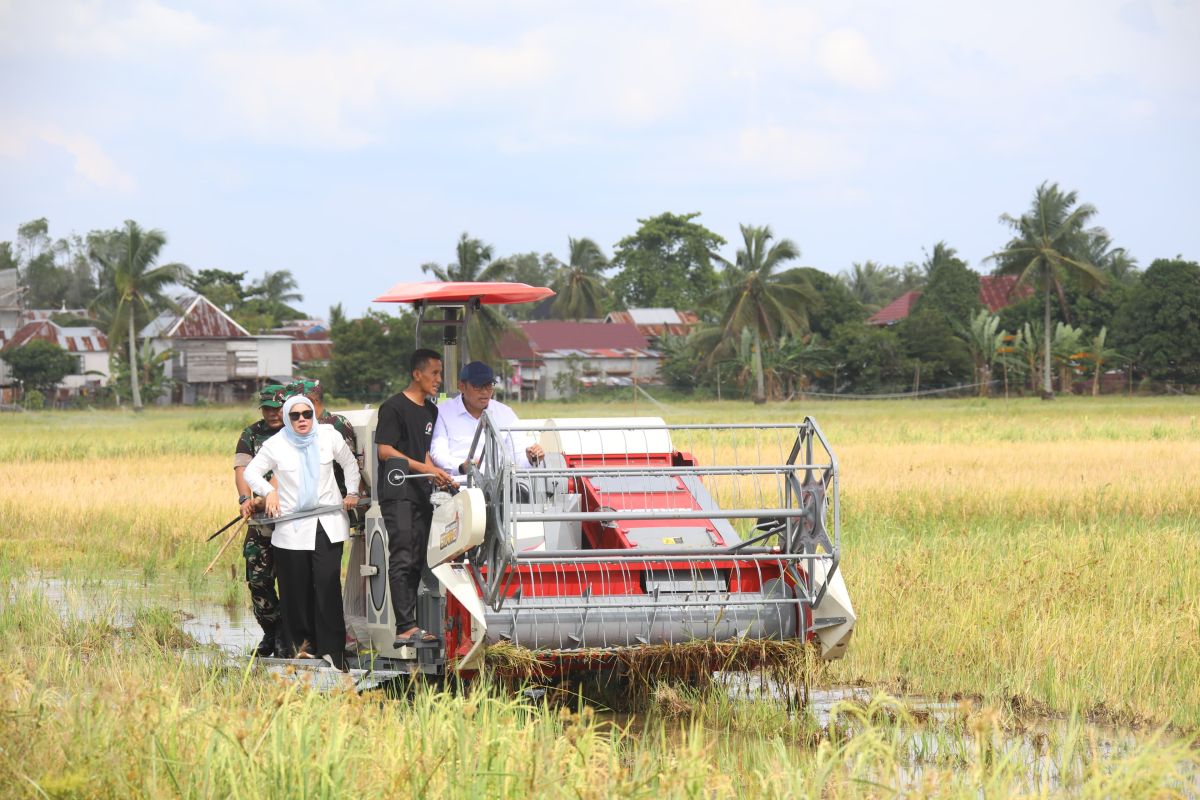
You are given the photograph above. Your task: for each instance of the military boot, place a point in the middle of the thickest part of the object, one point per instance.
(266, 648)
(283, 647)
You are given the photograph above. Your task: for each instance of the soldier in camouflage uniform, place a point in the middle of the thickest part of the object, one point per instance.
(260, 564)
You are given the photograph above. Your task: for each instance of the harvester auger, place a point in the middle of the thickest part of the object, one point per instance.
(631, 533)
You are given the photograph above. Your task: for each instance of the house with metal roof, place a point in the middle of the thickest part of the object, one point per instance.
(656, 322)
(212, 356)
(87, 344)
(552, 359)
(311, 344)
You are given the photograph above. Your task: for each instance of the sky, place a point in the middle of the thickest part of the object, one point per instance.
(352, 142)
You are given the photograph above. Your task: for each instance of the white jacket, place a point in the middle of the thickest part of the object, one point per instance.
(279, 456)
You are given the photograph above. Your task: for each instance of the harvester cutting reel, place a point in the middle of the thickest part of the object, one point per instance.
(622, 538)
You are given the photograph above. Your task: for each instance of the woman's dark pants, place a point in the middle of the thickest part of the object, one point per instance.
(310, 595)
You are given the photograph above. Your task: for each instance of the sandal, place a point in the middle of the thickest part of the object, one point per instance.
(418, 637)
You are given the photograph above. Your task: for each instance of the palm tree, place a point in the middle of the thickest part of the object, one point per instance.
(579, 284)
(754, 298)
(278, 287)
(136, 288)
(1051, 243)
(474, 264)
(870, 283)
(1115, 262)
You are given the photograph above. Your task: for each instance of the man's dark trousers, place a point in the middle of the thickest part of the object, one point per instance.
(407, 523)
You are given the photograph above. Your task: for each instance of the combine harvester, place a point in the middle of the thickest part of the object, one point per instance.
(632, 534)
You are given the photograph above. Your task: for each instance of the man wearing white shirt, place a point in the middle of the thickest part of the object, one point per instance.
(458, 418)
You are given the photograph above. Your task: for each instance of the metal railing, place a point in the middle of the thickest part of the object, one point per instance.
(762, 493)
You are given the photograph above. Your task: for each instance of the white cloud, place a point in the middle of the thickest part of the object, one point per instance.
(91, 162)
(788, 153)
(846, 57)
(137, 30)
(333, 97)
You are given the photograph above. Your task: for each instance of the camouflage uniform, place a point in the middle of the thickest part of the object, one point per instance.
(256, 549)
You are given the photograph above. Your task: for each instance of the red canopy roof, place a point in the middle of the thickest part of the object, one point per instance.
(434, 292)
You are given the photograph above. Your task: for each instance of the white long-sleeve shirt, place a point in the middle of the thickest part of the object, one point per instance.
(455, 429)
(279, 456)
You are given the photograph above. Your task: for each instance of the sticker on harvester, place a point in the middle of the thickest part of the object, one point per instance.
(450, 534)
(672, 540)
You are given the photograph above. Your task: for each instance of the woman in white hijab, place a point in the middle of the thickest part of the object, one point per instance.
(308, 551)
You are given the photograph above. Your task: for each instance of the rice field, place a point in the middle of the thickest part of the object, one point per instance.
(1022, 563)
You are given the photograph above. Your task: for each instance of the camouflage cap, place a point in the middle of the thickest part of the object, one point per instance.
(299, 387)
(271, 396)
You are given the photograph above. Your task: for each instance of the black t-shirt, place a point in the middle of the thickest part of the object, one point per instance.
(408, 427)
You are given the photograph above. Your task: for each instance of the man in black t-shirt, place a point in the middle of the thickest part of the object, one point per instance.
(404, 430)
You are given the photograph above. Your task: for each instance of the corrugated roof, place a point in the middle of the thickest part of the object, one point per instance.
(896, 310)
(515, 347)
(553, 334)
(995, 292)
(312, 329)
(654, 316)
(73, 340)
(199, 319)
(597, 353)
(654, 322)
(999, 291)
(303, 351)
(39, 314)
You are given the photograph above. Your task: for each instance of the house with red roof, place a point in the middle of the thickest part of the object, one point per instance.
(995, 292)
(87, 344)
(552, 359)
(311, 344)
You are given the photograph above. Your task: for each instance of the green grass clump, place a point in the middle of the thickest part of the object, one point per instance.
(110, 714)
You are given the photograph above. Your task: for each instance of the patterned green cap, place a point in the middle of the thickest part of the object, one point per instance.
(299, 387)
(271, 396)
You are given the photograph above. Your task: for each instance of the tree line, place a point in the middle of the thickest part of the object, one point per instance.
(769, 328)
(111, 279)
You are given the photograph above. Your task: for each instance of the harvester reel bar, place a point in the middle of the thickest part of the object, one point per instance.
(641, 486)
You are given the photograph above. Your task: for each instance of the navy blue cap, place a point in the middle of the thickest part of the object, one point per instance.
(477, 373)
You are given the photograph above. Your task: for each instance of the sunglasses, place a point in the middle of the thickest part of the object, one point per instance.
(297, 415)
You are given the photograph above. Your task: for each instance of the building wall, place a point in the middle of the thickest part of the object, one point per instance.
(205, 360)
(91, 361)
(274, 356)
(644, 368)
(224, 370)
